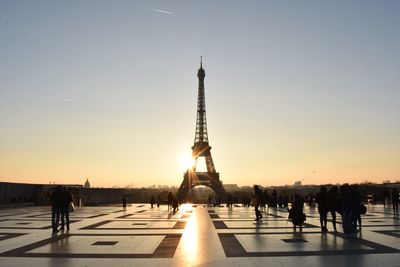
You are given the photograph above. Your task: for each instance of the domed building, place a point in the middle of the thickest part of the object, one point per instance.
(87, 184)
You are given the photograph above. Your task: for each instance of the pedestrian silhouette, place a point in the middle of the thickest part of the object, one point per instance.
(334, 204)
(152, 201)
(296, 214)
(56, 200)
(322, 199)
(124, 202)
(346, 197)
(258, 195)
(170, 199)
(395, 201)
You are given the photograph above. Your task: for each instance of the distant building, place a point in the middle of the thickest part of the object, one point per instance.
(87, 184)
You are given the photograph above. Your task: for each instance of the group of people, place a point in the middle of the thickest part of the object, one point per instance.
(61, 200)
(172, 202)
(261, 199)
(346, 201)
(328, 202)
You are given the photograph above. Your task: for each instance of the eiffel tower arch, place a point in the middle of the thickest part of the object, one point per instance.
(201, 149)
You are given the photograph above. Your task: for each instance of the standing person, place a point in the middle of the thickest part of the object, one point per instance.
(170, 199)
(229, 200)
(124, 202)
(175, 204)
(257, 202)
(357, 203)
(322, 200)
(274, 199)
(266, 198)
(152, 201)
(395, 201)
(296, 212)
(56, 205)
(346, 197)
(66, 200)
(334, 204)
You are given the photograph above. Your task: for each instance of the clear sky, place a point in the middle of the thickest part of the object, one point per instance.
(107, 90)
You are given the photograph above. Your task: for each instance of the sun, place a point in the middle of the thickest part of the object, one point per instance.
(186, 162)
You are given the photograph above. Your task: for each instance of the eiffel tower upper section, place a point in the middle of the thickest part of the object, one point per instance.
(201, 148)
(201, 135)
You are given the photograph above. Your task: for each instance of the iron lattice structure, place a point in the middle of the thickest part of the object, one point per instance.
(201, 148)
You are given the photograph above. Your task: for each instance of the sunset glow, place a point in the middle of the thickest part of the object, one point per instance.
(304, 91)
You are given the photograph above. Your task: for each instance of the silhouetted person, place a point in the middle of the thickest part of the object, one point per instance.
(311, 200)
(170, 199)
(357, 203)
(229, 200)
(152, 201)
(296, 212)
(265, 198)
(334, 204)
(385, 197)
(274, 199)
(56, 200)
(322, 199)
(346, 197)
(175, 204)
(280, 200)
(66, 201)
(124, 202)
(395, 201)
(258, 195)
(285, 201)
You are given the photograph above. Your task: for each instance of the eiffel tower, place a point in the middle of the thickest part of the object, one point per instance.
(201, 148)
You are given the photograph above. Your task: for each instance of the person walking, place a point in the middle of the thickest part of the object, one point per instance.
(334, 204)
(322, 199)
(66, 201)
(56, 199)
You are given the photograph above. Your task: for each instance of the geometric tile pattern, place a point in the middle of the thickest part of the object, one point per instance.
(195, 235)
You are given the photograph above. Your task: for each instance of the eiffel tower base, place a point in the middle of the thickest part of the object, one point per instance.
(192, 179)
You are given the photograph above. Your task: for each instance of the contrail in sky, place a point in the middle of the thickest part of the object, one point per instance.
(161, 11)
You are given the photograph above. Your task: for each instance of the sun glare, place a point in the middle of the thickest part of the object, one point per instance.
(186, 162)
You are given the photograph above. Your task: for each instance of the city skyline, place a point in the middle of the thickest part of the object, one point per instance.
(108, 91)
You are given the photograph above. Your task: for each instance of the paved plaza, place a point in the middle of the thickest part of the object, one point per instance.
(196, 235)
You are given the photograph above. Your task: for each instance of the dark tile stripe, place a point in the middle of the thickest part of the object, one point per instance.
(219, 225)
(166, 249)
(232, 246)
(95, 225)
(10, 235)
(179, 225)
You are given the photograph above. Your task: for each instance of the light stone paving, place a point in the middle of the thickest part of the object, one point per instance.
(194, 236)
